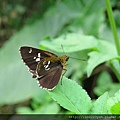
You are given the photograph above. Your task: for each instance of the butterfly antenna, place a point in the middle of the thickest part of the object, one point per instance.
(77, 58)
(62, 49)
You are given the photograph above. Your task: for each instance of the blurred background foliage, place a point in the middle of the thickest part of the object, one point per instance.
(27, 23)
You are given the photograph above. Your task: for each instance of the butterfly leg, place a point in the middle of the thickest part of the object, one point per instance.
(64, 71)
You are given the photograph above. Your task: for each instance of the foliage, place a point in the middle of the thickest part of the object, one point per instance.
(83, 30)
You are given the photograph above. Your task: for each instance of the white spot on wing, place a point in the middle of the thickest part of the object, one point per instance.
(48, 62)
(38, 60)
(30, 51)
(39, 55)
(38, 83)
(46, 66)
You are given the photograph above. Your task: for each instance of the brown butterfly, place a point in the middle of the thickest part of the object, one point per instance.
(45, 66)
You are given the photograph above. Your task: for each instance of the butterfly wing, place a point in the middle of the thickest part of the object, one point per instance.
(32, 56)
(44, 65)
(49, 78)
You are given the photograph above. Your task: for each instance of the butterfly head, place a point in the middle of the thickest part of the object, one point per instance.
(64, 59)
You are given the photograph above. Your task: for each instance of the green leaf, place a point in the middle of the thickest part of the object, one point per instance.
(103, 78)
(24, 110)
(101, 49)
(48, 108)
(110, 87)
(102, 55)
(71, 96)
(90, 15)
(115, 109)
(71, 43)
(116, 65)
(114, 102)
(100, 105)
(16, 82)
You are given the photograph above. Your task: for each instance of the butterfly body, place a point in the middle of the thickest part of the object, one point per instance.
(43, 65)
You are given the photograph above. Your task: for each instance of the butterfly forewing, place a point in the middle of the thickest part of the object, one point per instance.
(32, 56)
(45, 66)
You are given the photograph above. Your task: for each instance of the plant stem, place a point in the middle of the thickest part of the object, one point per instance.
(113, 26)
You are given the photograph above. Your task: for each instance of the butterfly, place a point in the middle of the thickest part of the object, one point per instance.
(45, 66)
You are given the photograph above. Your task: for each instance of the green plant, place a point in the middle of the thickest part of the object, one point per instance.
(81, 28)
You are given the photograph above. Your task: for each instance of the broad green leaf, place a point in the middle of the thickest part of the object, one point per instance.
(114, 102)
(101, 49)
(100, 105)
(102, 55)
(71, 96)
(71, 43)
(16, 83)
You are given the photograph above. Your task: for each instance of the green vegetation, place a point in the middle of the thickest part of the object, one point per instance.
(84, 30)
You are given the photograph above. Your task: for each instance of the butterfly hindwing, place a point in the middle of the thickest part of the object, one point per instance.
(51, 78)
